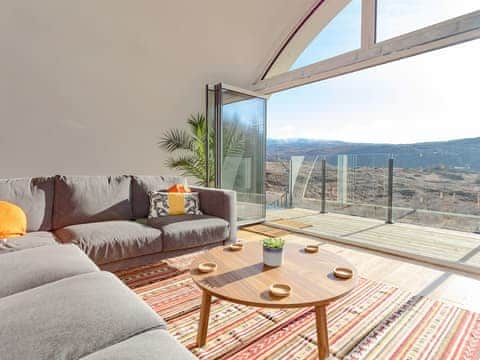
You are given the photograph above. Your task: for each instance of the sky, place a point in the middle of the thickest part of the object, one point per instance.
(429, 97)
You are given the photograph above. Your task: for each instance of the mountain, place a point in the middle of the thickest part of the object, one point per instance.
(461, 153)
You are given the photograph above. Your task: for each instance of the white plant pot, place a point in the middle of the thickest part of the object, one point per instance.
(273, 257)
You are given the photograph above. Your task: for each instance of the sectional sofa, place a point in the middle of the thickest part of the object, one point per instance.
(106, 216)
(57, 303)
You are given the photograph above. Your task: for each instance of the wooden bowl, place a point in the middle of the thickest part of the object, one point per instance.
(311, 248)
(235, 246)
(207, 267)
(280, 290)
(343, 273)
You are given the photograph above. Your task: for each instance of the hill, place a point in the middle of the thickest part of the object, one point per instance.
(460, 153)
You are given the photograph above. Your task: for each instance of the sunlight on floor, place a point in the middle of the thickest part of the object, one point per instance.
(419, 278)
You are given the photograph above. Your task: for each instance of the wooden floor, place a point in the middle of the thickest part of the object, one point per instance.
(445, 245)
(432, 281)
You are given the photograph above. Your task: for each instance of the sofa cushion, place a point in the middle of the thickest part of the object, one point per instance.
(142, 185)
(109, 241)
(27, 241)
(34, 196)
(221, 203)
(71, 318)
(154, 344)
(188, 231)
(170, 203)
(23, 270)
(84, 199)
(13, 221)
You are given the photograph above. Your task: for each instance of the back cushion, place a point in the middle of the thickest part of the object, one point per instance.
(34, 196)
(142, 185)
(85, 199)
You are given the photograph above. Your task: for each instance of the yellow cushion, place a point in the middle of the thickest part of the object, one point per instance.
(13, 221)
(176, 201)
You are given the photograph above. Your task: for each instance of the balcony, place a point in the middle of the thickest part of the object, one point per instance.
(376, 201)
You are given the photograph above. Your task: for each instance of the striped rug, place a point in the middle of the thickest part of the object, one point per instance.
(375, 321)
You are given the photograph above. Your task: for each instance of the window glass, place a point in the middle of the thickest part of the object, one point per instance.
(397, 17)
(342, 34)
(421, 111)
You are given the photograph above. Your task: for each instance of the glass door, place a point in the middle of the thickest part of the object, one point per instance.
(239, 124)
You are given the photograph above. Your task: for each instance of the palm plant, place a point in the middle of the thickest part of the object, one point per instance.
(191, 148)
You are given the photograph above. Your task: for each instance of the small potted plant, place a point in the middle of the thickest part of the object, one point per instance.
(273, 251)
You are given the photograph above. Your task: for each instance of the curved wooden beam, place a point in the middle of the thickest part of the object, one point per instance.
(317, 17)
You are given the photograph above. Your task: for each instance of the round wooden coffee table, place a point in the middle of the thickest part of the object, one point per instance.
(242, 278)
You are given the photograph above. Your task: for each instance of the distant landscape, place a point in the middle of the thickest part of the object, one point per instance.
(462, 153)
(443, 177)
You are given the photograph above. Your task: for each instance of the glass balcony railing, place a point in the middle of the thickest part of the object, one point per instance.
(388, 187)
(437, 196)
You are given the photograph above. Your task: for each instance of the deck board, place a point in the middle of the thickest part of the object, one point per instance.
(448, 245)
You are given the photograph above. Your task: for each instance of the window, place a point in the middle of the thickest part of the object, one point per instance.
(420, 110)
(397, 17)
(342, 34)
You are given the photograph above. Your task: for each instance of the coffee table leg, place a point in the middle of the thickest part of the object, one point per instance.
(204, 317)
(322, 333)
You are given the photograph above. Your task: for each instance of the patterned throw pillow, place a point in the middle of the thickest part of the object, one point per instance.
(172, 203)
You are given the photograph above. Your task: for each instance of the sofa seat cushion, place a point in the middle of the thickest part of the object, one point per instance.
(110, 241)
(27, 241)
(72, 317)
(188, 231)
(23, 270)
(154, 344)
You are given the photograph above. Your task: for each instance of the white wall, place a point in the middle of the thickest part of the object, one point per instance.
(87, 86)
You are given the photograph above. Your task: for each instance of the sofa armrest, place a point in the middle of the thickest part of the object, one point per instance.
(219, 203)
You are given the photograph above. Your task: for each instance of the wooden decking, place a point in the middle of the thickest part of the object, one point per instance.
(423, 243)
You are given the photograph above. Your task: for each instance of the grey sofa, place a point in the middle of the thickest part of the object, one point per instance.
(106, 216)
(56, 303)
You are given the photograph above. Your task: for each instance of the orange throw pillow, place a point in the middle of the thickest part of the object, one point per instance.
(179, 188)
(13, 221)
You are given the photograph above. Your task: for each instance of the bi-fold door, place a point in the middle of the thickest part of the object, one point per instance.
(237, 126)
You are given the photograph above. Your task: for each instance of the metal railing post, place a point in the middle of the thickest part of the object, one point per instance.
(290, 183)
(324, 186)
(390, 192)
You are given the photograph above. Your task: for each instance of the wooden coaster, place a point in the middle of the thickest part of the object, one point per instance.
(311, 248)
(235, 247)
(207, 267)
(280, 290)
(343, 273)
